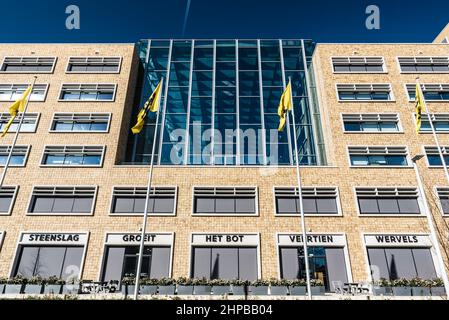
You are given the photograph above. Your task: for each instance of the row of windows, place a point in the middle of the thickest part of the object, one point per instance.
(219, 200)
(61, 122)
(19, 64)
(68, 92)
(377, 64)
(384, 92)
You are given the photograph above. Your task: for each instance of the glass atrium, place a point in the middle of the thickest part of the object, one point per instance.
(219, 102)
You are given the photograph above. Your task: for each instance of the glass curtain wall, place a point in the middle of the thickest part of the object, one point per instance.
(220, 100)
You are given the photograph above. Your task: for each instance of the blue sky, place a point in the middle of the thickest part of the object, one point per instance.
(131, 20)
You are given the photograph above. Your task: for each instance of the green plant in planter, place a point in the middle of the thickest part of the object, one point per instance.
(239, 282)
(128, 279)
(400, 283)
(201, 282)
(279, 283)
(3, 280)
(437, 282)
(260, 283)
(382, 282)
(298, 283)
(35, 280)
(219, 282)
(418, 282)
(166, 282)
(17, 280)
(54, 280)
(182, 281)
(316, 283)
(149, 282)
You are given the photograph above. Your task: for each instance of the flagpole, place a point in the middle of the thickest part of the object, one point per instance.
(145, 213)
(8, 159)
(429, 214)
(301, 207)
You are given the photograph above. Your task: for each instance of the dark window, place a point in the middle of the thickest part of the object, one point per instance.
(121, 261)
(324, 202)
(62, 200)
(6, 197)
(47, 261)
(388, 205)
(224, 263)
(224, 201)
(132, 200)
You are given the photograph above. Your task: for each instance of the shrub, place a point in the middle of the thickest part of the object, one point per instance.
(316, 283)
(219, 282)
(238, 282)
(281, 282)
(260, 283)
(149, 282)
(35, 280)
(54, 280)
(298, 283)
(184, 281)
(3, 280)
(166, 282)
(17, 280)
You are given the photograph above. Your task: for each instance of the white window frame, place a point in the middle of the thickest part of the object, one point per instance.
(55, 59)
(392, 96)
(175, 202)
(28, 115)
(25, 160)
(80, 114)
(407, 157)
(42, 164)
(434, 118)
(25, 85)
(420, 72)
(87, 62)
(13, 200)
(436, 193)
(19, 243)
(379, 116)
(192, 246)
(345, 249)
(389, 216)
(106, 245)
(337, 199)
(445, 150)
(384, 65)
(256, 199)
(424, 85)
(56, 214)
(80, 89)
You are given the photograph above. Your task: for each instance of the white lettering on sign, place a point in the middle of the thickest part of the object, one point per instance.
(338, 240)
(135, 238)
(63, 238)
(393, 240)
(225, 239)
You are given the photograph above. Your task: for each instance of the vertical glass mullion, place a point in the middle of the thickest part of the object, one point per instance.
(214, 74)
(237, 99)
(290, 150)
(167, 79)
(136, 137)
(189, 98)
(262, 120)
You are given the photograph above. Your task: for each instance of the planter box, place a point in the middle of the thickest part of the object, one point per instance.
(13, 288)
(70, 289)
(318, 291)
(239, 290)
(382, 291)
(148, 289)
(33, 289)
(128, 289)
(437, 291)
(221, 290)
(184, 290)
(279, 290)
(52, 288)
(421, 291)
(298, 291)
(402, 291)
(202, 290)
(166, 290)
(258, 291)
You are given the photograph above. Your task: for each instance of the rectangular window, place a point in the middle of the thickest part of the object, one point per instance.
(122, 261)
(424, 64)
(377, 156)
(48, 261)
(224, 200)
(432, 92)
(316, 200)
(28, 64)
(443, 195)
(388, 201)
(80, 122)
(18, 157)
(131, 200)
(358, 64)
(440, 122)
(401, 263)
(94, 65)
(68, 156)
(433, 156)
(371, 122)
(87, 92)
(29, 123)
(224, 263)
(7, 197)
(62, 200)
(364, 92)
(13, 92)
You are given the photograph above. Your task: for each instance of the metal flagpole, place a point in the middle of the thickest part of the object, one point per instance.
(301, 207)
(8, 159)
(428, 212)
(145, 213)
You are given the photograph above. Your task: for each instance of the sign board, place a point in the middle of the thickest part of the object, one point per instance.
(397, 240)
(225, 239)
(161, 239)
(325, 240)
(53, 238)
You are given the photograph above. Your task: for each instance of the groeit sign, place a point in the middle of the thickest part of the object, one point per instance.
(163, 239)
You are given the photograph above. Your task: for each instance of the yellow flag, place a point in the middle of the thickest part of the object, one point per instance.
(17, 106)
(152, 105)
(419, 100)
(285, 105)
